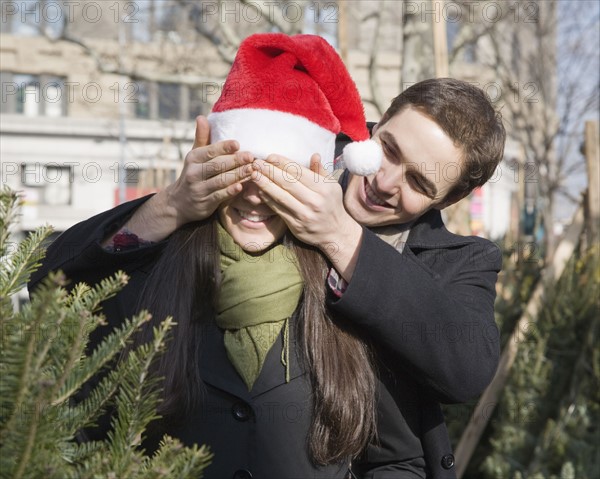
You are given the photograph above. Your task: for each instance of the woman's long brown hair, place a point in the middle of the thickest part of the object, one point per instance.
(184, 284)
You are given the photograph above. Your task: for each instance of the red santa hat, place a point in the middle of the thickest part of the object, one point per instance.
(292, 95)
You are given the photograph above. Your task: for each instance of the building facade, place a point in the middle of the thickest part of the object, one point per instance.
(99, 98)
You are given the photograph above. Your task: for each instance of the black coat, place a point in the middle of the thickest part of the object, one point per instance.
(258, 434)
(428, 311)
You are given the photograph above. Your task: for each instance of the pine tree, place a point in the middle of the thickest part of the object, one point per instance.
(43, 364)
(546, 424)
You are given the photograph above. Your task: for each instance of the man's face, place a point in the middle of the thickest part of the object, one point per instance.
(420, 166)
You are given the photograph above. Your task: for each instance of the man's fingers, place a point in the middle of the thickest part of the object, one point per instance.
(225, 147)
(237, 166)
(275, 196)
(278, 208)
(217, 197)
(224, 178)
(210, 152)
(202, 137)
(292, 172)
(297, 180)
(316, 166)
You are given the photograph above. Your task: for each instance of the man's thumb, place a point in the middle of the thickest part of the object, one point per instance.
(202, 137)
(316, 166)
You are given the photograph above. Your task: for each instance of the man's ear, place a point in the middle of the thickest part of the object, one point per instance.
(450, 200)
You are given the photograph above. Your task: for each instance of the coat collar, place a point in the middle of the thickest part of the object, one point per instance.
(429, 231)
(217, 370)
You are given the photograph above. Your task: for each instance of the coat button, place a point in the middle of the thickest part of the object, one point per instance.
(448, 461)
(241, 411)
(242, 474)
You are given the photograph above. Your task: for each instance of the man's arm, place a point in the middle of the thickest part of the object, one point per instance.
(439, 323)
(210, 175)
(395, 297)
(79, 254)
(311, 203)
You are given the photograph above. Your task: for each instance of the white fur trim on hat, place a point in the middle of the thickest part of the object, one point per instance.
(263, 132)
(363, 157)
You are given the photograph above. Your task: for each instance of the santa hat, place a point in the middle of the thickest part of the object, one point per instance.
(292, 95)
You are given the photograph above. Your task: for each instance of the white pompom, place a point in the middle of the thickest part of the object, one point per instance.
(363, 157)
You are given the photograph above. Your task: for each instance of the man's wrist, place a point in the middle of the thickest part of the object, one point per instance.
(169, 208)
(342, 250)
(155, 219)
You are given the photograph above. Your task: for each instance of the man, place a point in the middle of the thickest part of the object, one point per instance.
(431, 307)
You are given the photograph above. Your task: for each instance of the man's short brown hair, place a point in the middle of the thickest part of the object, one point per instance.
(466, 115)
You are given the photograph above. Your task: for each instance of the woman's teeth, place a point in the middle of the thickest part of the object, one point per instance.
(252, 217)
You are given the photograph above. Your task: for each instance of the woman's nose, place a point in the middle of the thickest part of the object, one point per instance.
(250, 193)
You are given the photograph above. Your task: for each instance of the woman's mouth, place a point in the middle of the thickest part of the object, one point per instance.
(253, 217)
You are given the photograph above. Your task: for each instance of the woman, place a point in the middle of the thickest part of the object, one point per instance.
(256, 368)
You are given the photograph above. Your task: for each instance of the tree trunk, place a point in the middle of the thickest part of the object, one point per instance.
(418, 61)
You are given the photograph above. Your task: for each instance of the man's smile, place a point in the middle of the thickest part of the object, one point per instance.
(372, 199)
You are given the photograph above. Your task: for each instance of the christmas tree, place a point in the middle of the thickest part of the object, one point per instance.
(43, 364)
(546, 424)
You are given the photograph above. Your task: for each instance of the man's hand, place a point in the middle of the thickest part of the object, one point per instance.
(312, 206)
(211, 174)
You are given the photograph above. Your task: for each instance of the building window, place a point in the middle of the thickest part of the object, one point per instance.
(51, 183)
(142, 101)
(169, 101)
(28, 95)
(33, 95)
(197, 103)
(132, 175)
(53, 96)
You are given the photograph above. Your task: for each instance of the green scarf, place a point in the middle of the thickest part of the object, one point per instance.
(256, 297)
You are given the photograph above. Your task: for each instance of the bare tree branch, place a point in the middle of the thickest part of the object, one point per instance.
(275, 16)
(230, 36)
(373, 83)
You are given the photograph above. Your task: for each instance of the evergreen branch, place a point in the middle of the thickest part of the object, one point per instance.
(8, 208)
(74, 356)
(77, 453)
(181, 463)
(23, 370)
(137, 398)
(82, 301)
(18, 266)
(88, 299)
(24, 357)
(26, 453)
(89, 409)
(105, 352)
(51, 306)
